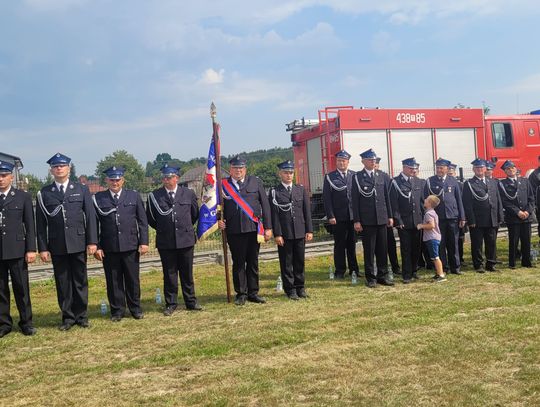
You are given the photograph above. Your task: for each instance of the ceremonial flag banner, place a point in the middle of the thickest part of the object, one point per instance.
(207, 212)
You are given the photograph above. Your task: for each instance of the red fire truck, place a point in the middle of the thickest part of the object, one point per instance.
(458, 135)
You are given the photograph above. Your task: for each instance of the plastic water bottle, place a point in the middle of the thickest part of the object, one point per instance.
(534, 254)
(279, 284)
(331, 273)
(103, 307)
(158, 296)
(354, 278)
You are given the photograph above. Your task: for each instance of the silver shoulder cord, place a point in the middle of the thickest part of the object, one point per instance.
(475, 195)
(506, 193)
(365, 194)
(46, 212)
(334, 186)
(100, 211)
(407, 196)
(431, 191)
(284, 207)
(154, 203)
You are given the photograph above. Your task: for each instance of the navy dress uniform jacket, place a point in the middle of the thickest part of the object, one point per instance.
(516, 198)
(337, 195)
(17, 230)
(482, 203)
(407, 207)
(293, 220)
(174, 230)
(71, 233)
(370, 198)
(126, 227)
(449, 192)
(252, 191)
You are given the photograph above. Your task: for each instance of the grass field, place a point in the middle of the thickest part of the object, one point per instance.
(471, 341)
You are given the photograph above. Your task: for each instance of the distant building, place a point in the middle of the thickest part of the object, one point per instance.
(93, 185)
(193, 178)
(18, 182)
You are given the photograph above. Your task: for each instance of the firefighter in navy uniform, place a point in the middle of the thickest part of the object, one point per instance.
(392, 245)
(484, 212)
(406, 198)
(292, 227)
(123, 237)
(66, 231)
(534, 180)
(450, 212)
(248, 222)
(452, 172)
(172, 210)
(372, 214)
(518, 202)
(17, 249)
(337, 189)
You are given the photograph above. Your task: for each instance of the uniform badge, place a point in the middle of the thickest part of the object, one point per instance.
(71, 187)
(449, 189)
(365, 188)
(53, 189)
(12, 193)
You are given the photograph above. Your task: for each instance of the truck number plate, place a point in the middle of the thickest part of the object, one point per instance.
(411, 117)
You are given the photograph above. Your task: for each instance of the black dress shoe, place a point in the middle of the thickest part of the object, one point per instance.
(195, 307)
(456, 271)
(138, 315)
(407, 281)
(4, 332)
(116, 318)
(240, 300)
(293, 296)
(480, 270)
(386, 282)
(169, 310)
(339, 276)
(302, 293)
(83, 323)
(371, 284)
(257, 299)
(491, 269)
(66, 326)
(29, 330)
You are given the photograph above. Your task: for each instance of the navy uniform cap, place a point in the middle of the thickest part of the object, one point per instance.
(490, 165)
(452, 165)
(343, 154)
(378, 160)
(478, 162)
(442, 162)
(59, 159)
(410, 162)
(114, 172)
(286, 165)
(237, 161)
(168, 170)
(369, 154)
(6, 167)
(508, 164)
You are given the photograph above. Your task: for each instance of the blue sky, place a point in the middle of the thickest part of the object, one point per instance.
(88, 77)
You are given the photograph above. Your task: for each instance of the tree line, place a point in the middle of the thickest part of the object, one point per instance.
(262, 163)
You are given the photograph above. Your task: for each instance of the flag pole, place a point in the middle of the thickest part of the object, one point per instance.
(219, 208)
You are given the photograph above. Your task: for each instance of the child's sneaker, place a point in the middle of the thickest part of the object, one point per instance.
(440, 279)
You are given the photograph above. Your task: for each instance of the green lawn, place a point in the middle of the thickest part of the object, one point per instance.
(471, 341)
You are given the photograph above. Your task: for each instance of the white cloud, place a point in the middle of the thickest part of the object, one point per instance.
(384, 44)
(212, 77)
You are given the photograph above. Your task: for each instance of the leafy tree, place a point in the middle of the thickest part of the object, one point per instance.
(32, 183)
(73, 174)
(134, 174)
(267, 171)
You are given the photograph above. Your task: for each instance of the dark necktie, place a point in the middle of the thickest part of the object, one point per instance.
(171, 196)
(115, 198)
(372, 176)
(289, 190)
(61, 189)
(2, 197)
(240, 184)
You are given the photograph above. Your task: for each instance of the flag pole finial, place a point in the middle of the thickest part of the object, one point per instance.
(213, 111)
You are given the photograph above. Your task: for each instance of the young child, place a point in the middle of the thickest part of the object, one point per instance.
(432, 235)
